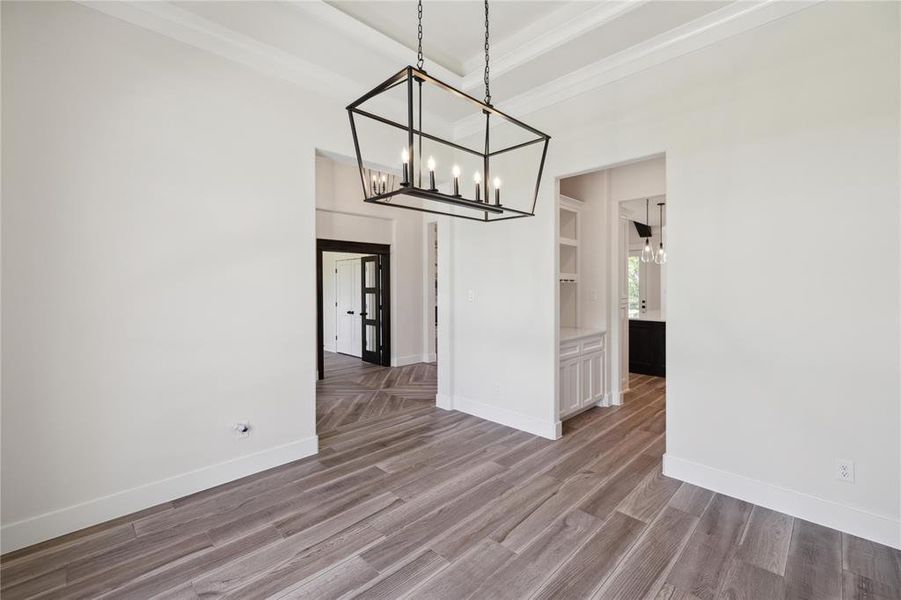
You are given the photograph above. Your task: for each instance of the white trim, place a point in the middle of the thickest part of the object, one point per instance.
(444, 402)
(882, 529)
(72, 518)
(546, 429)
(731, 20)
(604, 402)
(537, 39)
(429, 358)
(190, 28)
(180, 24)
(361, 32)
(403, 361)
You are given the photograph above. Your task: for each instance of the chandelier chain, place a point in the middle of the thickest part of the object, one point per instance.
(487, 85)
(419, 58)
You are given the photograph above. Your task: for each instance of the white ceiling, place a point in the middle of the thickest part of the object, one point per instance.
(635, 210)
(453, 31)
(542, 53)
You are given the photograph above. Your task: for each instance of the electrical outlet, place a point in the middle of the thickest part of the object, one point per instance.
(242, 429)
(470, 295)
(844, 470)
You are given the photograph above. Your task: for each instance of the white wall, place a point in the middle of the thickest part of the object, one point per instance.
(640, 179)
(341, 214)
(329, 297)
(158, 263)
(783, 353)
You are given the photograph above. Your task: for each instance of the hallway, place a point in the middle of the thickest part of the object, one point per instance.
(355, 392)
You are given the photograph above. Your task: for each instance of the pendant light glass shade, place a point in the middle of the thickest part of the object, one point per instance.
(660, 257)
(647, 253)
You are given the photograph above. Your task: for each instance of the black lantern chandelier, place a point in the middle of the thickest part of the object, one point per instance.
(503, 150)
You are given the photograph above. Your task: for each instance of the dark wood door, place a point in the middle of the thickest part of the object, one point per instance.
(647, 347)
(371, 309)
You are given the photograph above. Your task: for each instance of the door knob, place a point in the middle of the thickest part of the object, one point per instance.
(350, 312)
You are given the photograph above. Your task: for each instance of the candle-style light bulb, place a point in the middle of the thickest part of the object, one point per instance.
(497, 191)
(477, 179)
(375, 185)
(431, 165)
(384, 183)
(456, 171)
(405, 159)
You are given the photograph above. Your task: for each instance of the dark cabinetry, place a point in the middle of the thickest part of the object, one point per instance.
(647, 347)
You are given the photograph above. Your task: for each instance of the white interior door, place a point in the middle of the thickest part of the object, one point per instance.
(348, 293)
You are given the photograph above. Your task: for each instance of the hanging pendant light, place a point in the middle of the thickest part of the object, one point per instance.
(660, 257)
(647, 253)
(490, 161)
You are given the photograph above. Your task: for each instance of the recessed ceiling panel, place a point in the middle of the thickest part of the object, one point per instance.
(453, 32)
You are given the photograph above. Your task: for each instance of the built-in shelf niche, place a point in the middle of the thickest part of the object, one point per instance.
(569, 224)
(569, 259)
(568, 267)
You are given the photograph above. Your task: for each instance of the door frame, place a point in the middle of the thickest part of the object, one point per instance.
(384, 251)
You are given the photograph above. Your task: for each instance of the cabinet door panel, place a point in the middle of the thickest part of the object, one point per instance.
(592, 378)
(600, 389)
(569, 386)
(586, 376)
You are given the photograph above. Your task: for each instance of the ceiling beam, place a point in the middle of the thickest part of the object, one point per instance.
(537, 39)
(369, 36)
(717, 26)
(190, 28)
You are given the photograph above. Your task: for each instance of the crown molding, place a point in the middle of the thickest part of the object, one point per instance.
(369, 36)
(182, 25)
(710, 29)
(536, 39)
(177, 23)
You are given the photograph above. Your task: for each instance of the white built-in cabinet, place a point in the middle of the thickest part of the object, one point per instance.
(583, 352)
(583, 364)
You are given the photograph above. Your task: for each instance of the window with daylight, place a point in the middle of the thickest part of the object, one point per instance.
(634, 282)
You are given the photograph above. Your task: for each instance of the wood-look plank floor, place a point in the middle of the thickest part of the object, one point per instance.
(423, 503)
(353, 391)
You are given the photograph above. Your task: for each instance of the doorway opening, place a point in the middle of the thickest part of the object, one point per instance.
(611, 303)
(644, 285)
(353, 286)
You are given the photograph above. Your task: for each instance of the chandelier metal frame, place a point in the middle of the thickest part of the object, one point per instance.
(381, 192)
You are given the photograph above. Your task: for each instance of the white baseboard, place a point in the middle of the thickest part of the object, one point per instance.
(403, 361)
(66, 520)
(326, 347)
(429, 358)
(547, 429)
(604, 402)
(878, 528)
(444, 401)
